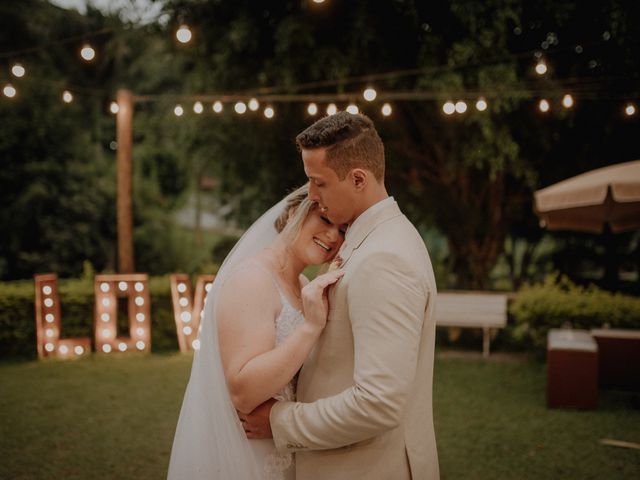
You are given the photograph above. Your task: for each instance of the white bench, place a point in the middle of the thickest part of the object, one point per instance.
(472, 310)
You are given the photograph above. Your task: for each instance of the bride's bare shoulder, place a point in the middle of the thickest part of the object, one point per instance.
(250, 277)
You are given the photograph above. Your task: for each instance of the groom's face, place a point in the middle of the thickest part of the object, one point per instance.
(334, 196)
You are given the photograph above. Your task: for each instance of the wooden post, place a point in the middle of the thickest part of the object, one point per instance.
(125, 204)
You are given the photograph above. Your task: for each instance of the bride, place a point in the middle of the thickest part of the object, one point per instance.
(254, 340)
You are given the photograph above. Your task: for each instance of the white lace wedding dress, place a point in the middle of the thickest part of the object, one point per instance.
(276, 466)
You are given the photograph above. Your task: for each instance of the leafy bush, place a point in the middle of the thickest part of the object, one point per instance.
(558, 302)
(17, 315)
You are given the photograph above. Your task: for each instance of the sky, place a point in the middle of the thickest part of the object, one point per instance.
(143, 11)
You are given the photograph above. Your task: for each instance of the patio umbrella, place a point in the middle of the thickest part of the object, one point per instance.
(587, 202)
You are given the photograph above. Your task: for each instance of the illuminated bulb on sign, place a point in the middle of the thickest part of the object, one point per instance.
(114, 108)
(140, 317)
(185, 317)
(183, 34)
(352, 109)
(370, 94)
(543, 106)
(312, 109)
(139, 301)
(78, 349)
(49, 347)
(386, 110)
(196, 344)
(140, 345)
(630, 109)
(104, 317)
(448, 108)
(139, 286)
(105, 302)
(140, 331)
(182, 287)
(198, 107)
(18, 70)
(332, 109)
(106, 332)
(122, 347)
(567, 101)
(269, 112)
(178, 110)
(67, 97)
(87, 53)
(48, 302)
(104, 287)
(63, 349)
(240, 107)
(481, 105)
(46, 290)
(461, 107)
(184, 302)
(541, 68)
(49, 317)
(122, 286)
(9, 91)
(49, 332)
(217, 106)
(106, 348)
(187, 330)
(253, 105)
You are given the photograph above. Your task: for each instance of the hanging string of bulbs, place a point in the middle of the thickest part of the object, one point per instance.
(246, 101)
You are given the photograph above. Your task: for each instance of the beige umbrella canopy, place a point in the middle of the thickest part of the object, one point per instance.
(587, 202)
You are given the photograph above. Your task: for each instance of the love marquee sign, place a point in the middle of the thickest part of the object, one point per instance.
(187, 309)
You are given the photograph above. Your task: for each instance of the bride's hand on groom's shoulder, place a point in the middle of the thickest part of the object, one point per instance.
(315, 302)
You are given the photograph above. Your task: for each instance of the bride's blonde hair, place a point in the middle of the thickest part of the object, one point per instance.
(297, 207)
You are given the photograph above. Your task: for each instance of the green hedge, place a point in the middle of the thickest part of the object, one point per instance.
(558, 302)
(17, 315)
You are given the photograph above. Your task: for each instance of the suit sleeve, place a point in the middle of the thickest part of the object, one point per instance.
(387, 299)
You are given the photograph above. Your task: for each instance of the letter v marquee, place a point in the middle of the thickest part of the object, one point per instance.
(188, 309)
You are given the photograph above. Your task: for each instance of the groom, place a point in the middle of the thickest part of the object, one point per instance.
(364, 406)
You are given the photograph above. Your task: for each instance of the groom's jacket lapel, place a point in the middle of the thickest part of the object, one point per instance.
(362, 230)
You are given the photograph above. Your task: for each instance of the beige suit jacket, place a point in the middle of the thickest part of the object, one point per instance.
(364, 394)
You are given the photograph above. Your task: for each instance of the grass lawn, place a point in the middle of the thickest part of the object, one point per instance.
(114, 417)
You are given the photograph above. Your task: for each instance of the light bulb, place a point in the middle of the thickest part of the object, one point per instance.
(541, 68)
(370, 94)
(386, 110)
(352, 108)
(9, 91)
(312, 109)
(182, 287)
(448, 108)
(114, 108)
(178, 110)
(198, 108)
(87, 52)
(254, 105)
(217, 106)
(67, 97)
(106, 348)
(630, 109)
(332, 109)
(240, 107)
(461, 107)
(122, 286)
(567, 101)
(18, 70)
(269, 112)
(543, 105)
(481, 104)
(183, 34)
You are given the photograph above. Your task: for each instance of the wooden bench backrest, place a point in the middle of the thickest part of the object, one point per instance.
(458, 309)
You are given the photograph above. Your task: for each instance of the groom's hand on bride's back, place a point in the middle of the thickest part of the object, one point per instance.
(256, 424)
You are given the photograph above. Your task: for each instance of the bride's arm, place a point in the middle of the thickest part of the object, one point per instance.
(254, 370)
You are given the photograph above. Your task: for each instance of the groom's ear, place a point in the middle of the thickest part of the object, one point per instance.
(359, 178)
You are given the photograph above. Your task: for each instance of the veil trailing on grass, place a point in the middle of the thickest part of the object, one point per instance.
(210, 442)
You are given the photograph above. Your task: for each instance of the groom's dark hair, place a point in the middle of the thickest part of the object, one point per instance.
(350, 141)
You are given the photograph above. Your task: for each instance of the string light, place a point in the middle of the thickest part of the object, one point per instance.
(448, 108)
(386, 110)
(114, 107)
(106, 348)
(240, 107)
(332, 109)
(67, 97)
(9, 91)
(254, 105)
(87, 52)
(178, 110)
(18, 70)
(481, 104)
(269, 112)
(630, 109)
(198, 108)
(352, 108)
(543, 106)
(541, 67)
(567, 101)
(217, 106)
(461, 107)
(183, 34)
(370, 94)
(312, 109)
